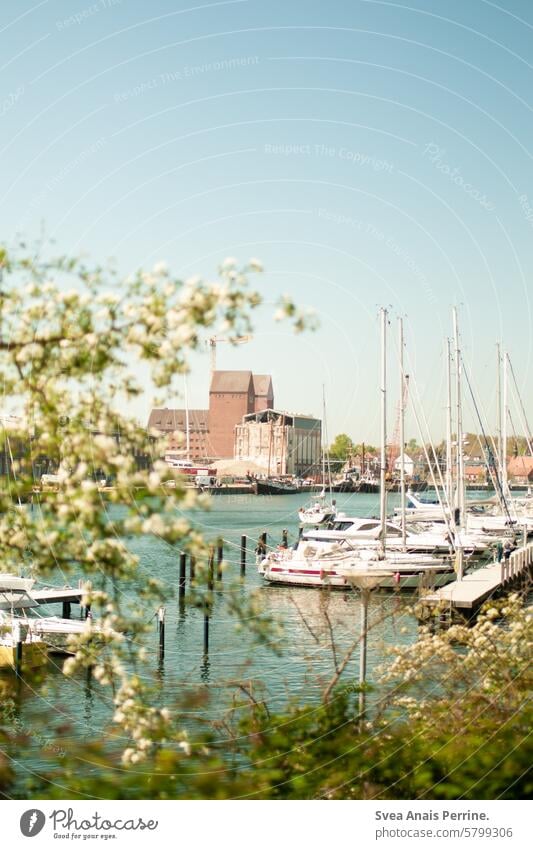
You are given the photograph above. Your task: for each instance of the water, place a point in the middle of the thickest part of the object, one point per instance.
(300, 672)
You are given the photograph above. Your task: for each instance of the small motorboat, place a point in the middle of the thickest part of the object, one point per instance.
(318, 512)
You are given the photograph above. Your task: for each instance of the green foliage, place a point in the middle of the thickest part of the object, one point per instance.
(341, 447)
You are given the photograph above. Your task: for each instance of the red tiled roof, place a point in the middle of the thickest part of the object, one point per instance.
(262, 385)
(520, 466)
(231, 381)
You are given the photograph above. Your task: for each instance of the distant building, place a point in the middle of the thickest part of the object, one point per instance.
(173, 423)
(475, 473)
(263, 392)
(520, 470)
(280, 443)
(232, 395)
(408, 465)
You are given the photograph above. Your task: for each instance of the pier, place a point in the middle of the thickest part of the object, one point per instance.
(34, 597)
(476, 587)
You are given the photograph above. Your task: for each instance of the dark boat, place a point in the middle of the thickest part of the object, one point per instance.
(346, 485)
(274, 486)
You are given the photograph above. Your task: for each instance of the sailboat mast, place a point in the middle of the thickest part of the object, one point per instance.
(402, 432)
(324, 437)
(499, 408)
(505, 485)
(383, 461)
(449, 475)
(187, 426)
(460, 457)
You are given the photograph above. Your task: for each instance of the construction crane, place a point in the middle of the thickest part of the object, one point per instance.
(395, 449)
(213, 341)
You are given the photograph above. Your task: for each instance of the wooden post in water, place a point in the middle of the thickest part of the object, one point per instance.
(220, 558)
(181, 585)
(17, 638)
(285, 538)
(209, 599)
(161, 627)
(206, 631)
(192, 568)
(66, 610)
(243, 554)
(210, 570)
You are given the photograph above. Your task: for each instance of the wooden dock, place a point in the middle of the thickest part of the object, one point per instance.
(478, 586)
(48, 595)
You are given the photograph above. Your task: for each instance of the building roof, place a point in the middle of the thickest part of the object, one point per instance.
(405, 457)
(475, 469)
(231, 381)
(279, 416)
(168, 420)
(262, 385)
(520, 466)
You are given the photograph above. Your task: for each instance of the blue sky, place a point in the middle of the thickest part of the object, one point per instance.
(370, 153)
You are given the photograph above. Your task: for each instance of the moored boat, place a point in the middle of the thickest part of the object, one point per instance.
(275, 486)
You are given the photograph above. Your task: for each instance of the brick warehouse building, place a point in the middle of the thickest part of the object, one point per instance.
(232, 395)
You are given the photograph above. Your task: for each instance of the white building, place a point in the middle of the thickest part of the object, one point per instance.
(408, 465)
(280, 443)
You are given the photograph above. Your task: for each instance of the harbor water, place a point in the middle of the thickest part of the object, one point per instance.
(300, 669)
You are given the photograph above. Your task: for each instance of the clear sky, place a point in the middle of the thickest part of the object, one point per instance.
(369, 152)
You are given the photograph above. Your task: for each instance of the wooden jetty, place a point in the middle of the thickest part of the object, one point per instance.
(476, 587)
(48, 595)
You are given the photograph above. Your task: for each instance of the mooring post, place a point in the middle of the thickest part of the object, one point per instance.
(206, 630)
(161, 624)
(17, 637)
(181, 586)
(66, 610)
(243, 554)
(210, 570)
(192, 568)
(220, 558)
(209, 596)
(285, 538)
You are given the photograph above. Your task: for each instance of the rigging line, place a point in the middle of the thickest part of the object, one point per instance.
(516, 444)
(493, 452)
(490, 438)
(445, 512)
(436, 461)
(525, 422)
(493, 472)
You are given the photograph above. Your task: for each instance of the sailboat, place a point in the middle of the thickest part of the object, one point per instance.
(332, 565)
(320, 511)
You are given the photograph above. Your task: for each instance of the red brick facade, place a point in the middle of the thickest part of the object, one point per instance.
(232, 395)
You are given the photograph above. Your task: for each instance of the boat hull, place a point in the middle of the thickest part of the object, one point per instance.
(34, 655)
(266, 487)
(318, 579)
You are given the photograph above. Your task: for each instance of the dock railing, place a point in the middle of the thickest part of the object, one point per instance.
(516, 563)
